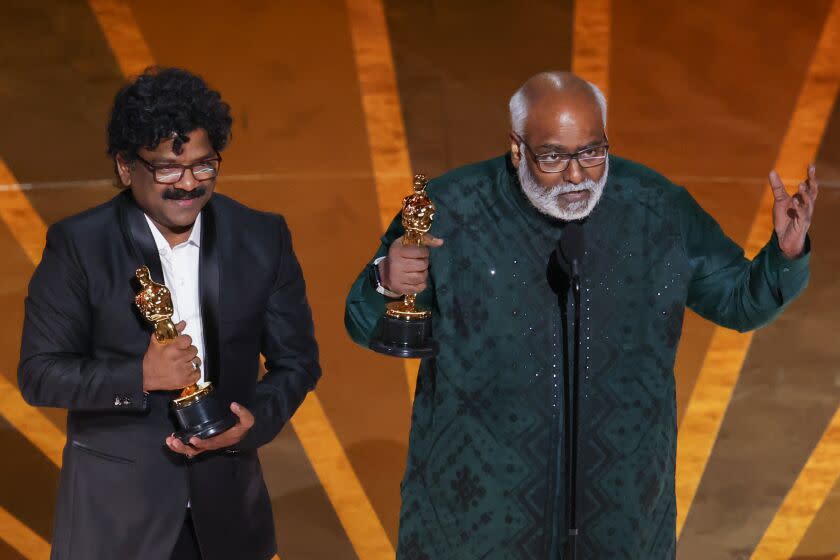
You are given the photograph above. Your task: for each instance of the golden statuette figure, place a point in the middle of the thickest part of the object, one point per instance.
(155, 304)
(406, 330)
(197, 411)
(418, 211)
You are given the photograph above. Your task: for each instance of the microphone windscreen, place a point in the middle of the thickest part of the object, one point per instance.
(572, 243)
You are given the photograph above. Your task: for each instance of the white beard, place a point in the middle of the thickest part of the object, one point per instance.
(547, 200)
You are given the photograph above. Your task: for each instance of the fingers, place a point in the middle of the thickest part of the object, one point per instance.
(192, 377)
(799, 201)
(183, 342)
(230, 437)
(415, 265)
(417, 251)
(811, 185)
(188, 372)
(246, 419)
(179, 447)
(406, 270)
(779, 192)
(409, 283)
(415, 288)
(414, 278)
(210, 444)
(806, 196)
(412, 252)
(181, 326)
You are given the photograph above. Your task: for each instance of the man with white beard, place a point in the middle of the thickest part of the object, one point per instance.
(486, 472)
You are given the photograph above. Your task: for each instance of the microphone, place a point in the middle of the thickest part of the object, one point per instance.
(571, 247)
(570, 256)
(564, 263)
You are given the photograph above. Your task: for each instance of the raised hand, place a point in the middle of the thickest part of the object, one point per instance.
(792, 214)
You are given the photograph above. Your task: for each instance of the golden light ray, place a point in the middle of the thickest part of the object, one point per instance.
(30, 422)
(727, 351)
(24, 224)
(23, 539)
(311, 424)
(805, 498)
(123, 35)
(383, 119)
(340, 482)
(591, 42)
(30, 232)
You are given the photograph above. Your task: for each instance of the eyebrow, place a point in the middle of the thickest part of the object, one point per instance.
(164, 161)
(564, 150)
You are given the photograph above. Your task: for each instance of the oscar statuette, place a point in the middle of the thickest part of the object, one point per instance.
(197, 411)
(405, 330)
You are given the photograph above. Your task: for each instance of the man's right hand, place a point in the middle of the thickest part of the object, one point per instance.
(168, 367)
(406, 269)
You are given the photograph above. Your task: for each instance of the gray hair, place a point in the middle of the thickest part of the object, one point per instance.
(519, 101)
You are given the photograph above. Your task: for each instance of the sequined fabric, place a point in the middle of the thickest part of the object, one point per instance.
(486, 468)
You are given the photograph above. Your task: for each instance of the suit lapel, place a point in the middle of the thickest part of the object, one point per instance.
(209, 290)
(138, 236)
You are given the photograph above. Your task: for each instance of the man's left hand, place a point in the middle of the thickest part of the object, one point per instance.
(228, 438)
(792, 214)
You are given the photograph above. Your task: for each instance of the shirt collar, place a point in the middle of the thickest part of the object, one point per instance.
(163, 245)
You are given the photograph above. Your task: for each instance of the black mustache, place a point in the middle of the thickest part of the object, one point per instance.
(181, 194)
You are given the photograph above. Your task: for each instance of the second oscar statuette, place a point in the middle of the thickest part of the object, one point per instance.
(405, 330)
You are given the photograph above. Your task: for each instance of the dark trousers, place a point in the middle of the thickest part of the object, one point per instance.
(187, 546)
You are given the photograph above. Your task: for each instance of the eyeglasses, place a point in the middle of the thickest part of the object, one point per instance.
(171, 173)
(554, 162)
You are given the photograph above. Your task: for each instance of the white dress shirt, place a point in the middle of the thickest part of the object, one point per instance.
(180, 274)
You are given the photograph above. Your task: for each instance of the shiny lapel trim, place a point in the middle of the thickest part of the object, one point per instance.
(209, 288)
(138, 237)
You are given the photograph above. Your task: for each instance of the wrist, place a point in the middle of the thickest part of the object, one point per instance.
(792, 253)
(379, 278)
(382, 273)
(145, 377)
(148, 384)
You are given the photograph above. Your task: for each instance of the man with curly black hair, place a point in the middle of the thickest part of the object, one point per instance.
(128, 488)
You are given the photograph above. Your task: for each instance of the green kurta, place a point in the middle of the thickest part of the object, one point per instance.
(485, 473)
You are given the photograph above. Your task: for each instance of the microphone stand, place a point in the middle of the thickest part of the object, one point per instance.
(574, 419)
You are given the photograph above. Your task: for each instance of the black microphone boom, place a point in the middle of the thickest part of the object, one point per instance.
(572, 250)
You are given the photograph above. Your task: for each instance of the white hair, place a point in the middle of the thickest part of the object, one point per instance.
(519, 102)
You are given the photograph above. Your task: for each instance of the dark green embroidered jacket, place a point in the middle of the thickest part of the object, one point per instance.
(485, 474)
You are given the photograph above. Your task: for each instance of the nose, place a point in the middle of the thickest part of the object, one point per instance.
(574, 173)
(187, 181)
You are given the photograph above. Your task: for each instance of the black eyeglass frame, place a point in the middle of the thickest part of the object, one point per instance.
(155, 168)
(569, 157)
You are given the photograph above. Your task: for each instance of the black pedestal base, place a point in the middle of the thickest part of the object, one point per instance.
(203, 419)
(404, 338)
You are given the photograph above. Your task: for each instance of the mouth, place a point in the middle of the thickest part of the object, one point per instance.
(575, 196)
(185, 203)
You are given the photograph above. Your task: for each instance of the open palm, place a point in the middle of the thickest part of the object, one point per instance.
(792, 214)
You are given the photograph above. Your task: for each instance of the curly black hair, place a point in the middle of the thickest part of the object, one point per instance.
(162, 103)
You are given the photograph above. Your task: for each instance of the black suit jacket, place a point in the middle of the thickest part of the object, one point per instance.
(122, 492)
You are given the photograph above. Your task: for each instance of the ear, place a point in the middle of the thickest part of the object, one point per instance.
(515, 153)
(123, 170)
